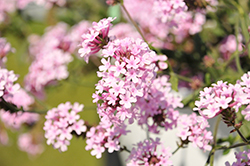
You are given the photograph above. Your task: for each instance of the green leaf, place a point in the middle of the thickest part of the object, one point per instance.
(174, 81)
(226, 151)
(207, 79)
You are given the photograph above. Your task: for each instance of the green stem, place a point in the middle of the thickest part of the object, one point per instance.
(242, 137)
(38, 101)
(133, 22)
(183, 78)
(124, 148)
(237, 56)
(14, 109)
(176, 149)
(233, 146)
(35, 112)
(210, 159)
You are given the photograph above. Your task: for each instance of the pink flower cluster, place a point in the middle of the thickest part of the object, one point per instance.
(96, 38)
(168, 10)
(6, 7)
(243, 159)
(5, 48)
(213, 100)
(61, 122)
(8, 87)
(157, 106)
(128, 78)
(29, 144)
(148, 153)
(15, 120)
(51, 55)
(123, 30)
(13, 94)
(9, 6)
(245, 84)
(104, 136)
(167, 20)
(229, 46)
(192, 128)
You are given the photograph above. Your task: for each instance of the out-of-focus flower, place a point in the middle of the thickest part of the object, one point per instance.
(243, 158)
(30, 143)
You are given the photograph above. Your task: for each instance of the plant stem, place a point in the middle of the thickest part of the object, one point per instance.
(14, 109)
(133, 22)
(233, 146)
(35, 112)
(242, 137)
(210, 159)
(38, 101)
(179, 146)
(124, 148)
(237, 57)
(183, 78)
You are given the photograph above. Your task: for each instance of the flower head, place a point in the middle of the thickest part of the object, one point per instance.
(127, 78)
(151, 153)
(96, 38)
(61, 122)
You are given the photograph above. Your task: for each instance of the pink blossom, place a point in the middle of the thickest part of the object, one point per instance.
(30, 143)
(192, 128)
(5, 48)
(14, 120)
(61, 122)
(104, 136)
(229, 46)
(150, 152)
(96, 38)
(157, 107)
(121, 83)
(221, 96)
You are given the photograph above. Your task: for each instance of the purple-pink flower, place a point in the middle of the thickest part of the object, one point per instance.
(150, 153)
(243, 159)
(158, 106)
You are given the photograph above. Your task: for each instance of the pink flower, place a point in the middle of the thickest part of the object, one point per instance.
(221, 96)
(96, 38)
(193, 129)
(121, 81)
(61, 122)
(157, 107)
(127, 99)
(31, 144)
(5, 48)
(150, 152)
(104, 136)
